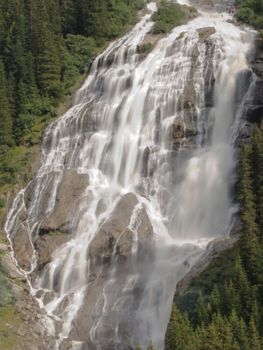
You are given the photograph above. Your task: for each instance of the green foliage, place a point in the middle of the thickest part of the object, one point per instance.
(102, 19)
(12, 163)
(2, 203)
(250, 12)
(46, 47)
(82, 51)
(180, 334)
(6, 295)
(170, 15)
(6, 137)
(145, 48)
(223, 306)
(44, 55)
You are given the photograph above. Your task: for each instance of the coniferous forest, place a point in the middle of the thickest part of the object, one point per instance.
(42, 56)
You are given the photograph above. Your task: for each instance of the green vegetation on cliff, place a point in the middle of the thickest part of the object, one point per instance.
(170, 15)
(250, 12)
(223, 307)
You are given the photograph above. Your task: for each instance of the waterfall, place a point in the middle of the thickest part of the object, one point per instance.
(134, 183)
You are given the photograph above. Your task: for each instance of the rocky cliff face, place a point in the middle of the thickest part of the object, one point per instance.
(255, 109)
(253, 112)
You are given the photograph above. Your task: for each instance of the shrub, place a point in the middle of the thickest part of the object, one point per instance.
(250, 12)
(2, 203)
(170, 15)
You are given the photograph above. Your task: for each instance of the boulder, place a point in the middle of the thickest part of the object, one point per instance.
(46, 244)
(205, 33)
(115, 236)
(21, 242)
(68, 195)
(54, 230)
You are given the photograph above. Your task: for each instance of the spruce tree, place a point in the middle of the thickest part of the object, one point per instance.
(179, 335)
(254, 338)
(239, 331)
(6, 137)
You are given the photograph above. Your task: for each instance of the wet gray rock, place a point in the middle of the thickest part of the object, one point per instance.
(188, 97)
(69, 191)
(257, 59)
(182, 130)
(254, 105)
(113, 245)
(115, 237)
(22, 247)
(46, 245)
(205, 33)
(55, 228)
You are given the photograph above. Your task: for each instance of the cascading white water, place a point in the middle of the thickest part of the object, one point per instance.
(159, 158)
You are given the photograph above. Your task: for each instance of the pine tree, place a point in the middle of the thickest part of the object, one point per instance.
(252, 257)
(242, 285)
(6, 137)
(46, 50)
(254, 338)
(239, 330)
(179, 335)
(257, 162)
(203, 311)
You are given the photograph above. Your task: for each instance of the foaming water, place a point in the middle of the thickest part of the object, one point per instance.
(155, 139)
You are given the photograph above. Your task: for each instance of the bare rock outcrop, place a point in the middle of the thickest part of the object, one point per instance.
(254, 104)
(116, 254)
(54, 230)
(23, 248)
(205, 33)
(69, 191)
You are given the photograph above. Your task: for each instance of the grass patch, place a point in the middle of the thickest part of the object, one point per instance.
(12, 162)
(6, 292)
(10, 320)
